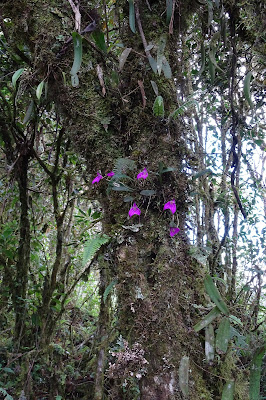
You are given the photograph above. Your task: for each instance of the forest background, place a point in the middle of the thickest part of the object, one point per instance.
(132, 186)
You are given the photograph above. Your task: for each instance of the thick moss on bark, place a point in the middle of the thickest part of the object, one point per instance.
(157, 281)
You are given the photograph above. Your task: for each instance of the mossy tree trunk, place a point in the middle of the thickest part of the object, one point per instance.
(157, 281)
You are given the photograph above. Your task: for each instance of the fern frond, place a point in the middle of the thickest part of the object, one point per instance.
(92, 246)
(183, 108)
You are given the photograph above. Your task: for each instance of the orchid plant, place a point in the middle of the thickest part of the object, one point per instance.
(135, 210)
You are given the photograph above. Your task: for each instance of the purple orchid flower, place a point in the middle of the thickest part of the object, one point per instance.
(111, 173)
(174, 231)
(143, 174)
(97, 179)
(134, 210)
(170, 205)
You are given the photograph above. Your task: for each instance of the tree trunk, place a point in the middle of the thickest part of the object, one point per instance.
(23, 260)
(157, 281)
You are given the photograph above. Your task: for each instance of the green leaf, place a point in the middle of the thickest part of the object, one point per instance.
(255, 373)
(121, 187)
(98, 37)
(39, 90)
(155, 88)
(239, 339)
(160, 51)
(28, 112)
(228, 390)
(213, 43)
(183, 375)
(7, 396)
(207, 319)
(214, 294)
(182, 109)
(15, 76)
(201, 173)
(153, 64)
(158, 107)
(77, 41)
(247, 88)
(167, 169)
(8, 370)
(74, 80)
(123, 57)
(108, 289)
(132, 16)
(223, 336)
(235, 320)
(92, 246)
(213, 60)
(166, 69)
(148, 192)
(128, 199)
(169, 10)
(209, 343)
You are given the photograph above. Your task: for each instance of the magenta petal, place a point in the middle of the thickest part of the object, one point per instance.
(173, 231)
(110, 173)
(143, 174)
(170, 205)
(134, 210)
(97, 179)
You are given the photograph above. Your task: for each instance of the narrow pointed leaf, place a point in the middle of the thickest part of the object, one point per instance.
(77, 41)
(160, 51)
(223, 336)
(39, 90)
(147, 192)
(209, 343)
(166, 69)
(215, 37)
(228, 390)
(169, 9)
(201, 173)
(153, 64)
(183, 375)
(108, 289)
(247, 88)
(214, 294)
(75, 80)
(28, 112)
(207, 319)
(158, 107)
(121, 187)
(132, 16)
(123, 57)
(15, 76)
(213, 60)
(155, 88)
(98, 37)
(255, 374)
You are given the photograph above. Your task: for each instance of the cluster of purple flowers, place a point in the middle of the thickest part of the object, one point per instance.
(99, 177)
(134, 210)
